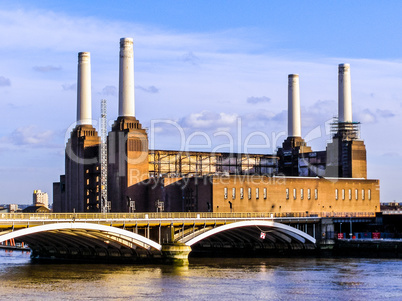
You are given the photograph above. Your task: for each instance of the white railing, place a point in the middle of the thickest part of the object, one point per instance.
(174, 215)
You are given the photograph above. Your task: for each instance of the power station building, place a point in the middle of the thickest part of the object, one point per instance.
(295, 180)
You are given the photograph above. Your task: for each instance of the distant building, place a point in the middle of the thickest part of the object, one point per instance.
(36, 209)
(40, 198)
(393, 207)
(12, 208)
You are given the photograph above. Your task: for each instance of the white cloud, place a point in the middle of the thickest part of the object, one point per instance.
(47, 68)
(208, 120)
(190, 58)
(255, 100)
(30, 136)
(150, 89)
(4, 82)
(69, 87)
(385, 113)
(109, 90)
(366, 116)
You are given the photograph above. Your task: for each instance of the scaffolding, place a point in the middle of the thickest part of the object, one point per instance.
(179, 164)
(347, 131)
(103, 130)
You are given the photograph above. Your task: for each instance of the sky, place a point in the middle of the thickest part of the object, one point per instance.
(209, 75)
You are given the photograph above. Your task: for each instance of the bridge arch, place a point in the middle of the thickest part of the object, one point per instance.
(70, 235)
(285, 232)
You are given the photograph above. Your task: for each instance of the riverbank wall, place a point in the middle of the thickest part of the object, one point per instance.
(373, 248)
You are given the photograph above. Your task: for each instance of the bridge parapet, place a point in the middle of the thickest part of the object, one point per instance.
(173, 215)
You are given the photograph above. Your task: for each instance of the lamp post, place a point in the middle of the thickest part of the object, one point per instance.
(351, 232)
(130, 205)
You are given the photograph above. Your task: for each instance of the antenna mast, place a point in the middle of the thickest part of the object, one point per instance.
(104, 200)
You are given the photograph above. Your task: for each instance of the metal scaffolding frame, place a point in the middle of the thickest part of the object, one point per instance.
(345, 130)
(103, 130)
(178, 164)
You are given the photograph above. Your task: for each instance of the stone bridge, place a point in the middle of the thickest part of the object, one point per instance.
(168, 236)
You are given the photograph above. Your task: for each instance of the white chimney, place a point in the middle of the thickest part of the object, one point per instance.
(294, 123)
(344, 94)
(126, 78)
(84, 114)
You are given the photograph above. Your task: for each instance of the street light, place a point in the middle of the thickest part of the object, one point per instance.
(130, 205)
(351, 232)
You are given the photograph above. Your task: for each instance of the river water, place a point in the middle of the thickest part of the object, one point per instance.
(204, 279)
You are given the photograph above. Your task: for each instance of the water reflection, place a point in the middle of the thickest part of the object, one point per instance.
(223, 279)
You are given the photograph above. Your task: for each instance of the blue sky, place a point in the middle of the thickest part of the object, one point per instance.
(207, 66)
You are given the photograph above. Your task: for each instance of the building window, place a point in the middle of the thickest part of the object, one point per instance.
(363, 194)
(87, 191)
(357, 194)
(257, 193)
(249, 193)
(233, 193)
(343, 194)
(287, 193)
(87, 201)
(265, 193)
(369, 194)
(97, 197)
(225, 193)
(294, 193)
(87, 171)
(316, 194)
(241, 193)
(87, 181)
(350, 194)
(97, 178)
(336, 194)
(309, 194)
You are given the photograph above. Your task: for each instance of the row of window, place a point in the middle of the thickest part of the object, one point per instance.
(97, 189)
(97, 199)
(249, 193)
(302, 194)
(97, 180)
(87, 170)
(363, 194)
(97, 206)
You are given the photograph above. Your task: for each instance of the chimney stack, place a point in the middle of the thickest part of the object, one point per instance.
(84, 114)
(344, 94)
(126, 78)
(294, 123)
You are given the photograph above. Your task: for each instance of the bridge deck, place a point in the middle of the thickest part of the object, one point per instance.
(137, 234)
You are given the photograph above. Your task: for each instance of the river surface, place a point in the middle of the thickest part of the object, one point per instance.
(204, 279)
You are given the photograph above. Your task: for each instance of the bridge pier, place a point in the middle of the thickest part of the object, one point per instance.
(175, 253)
